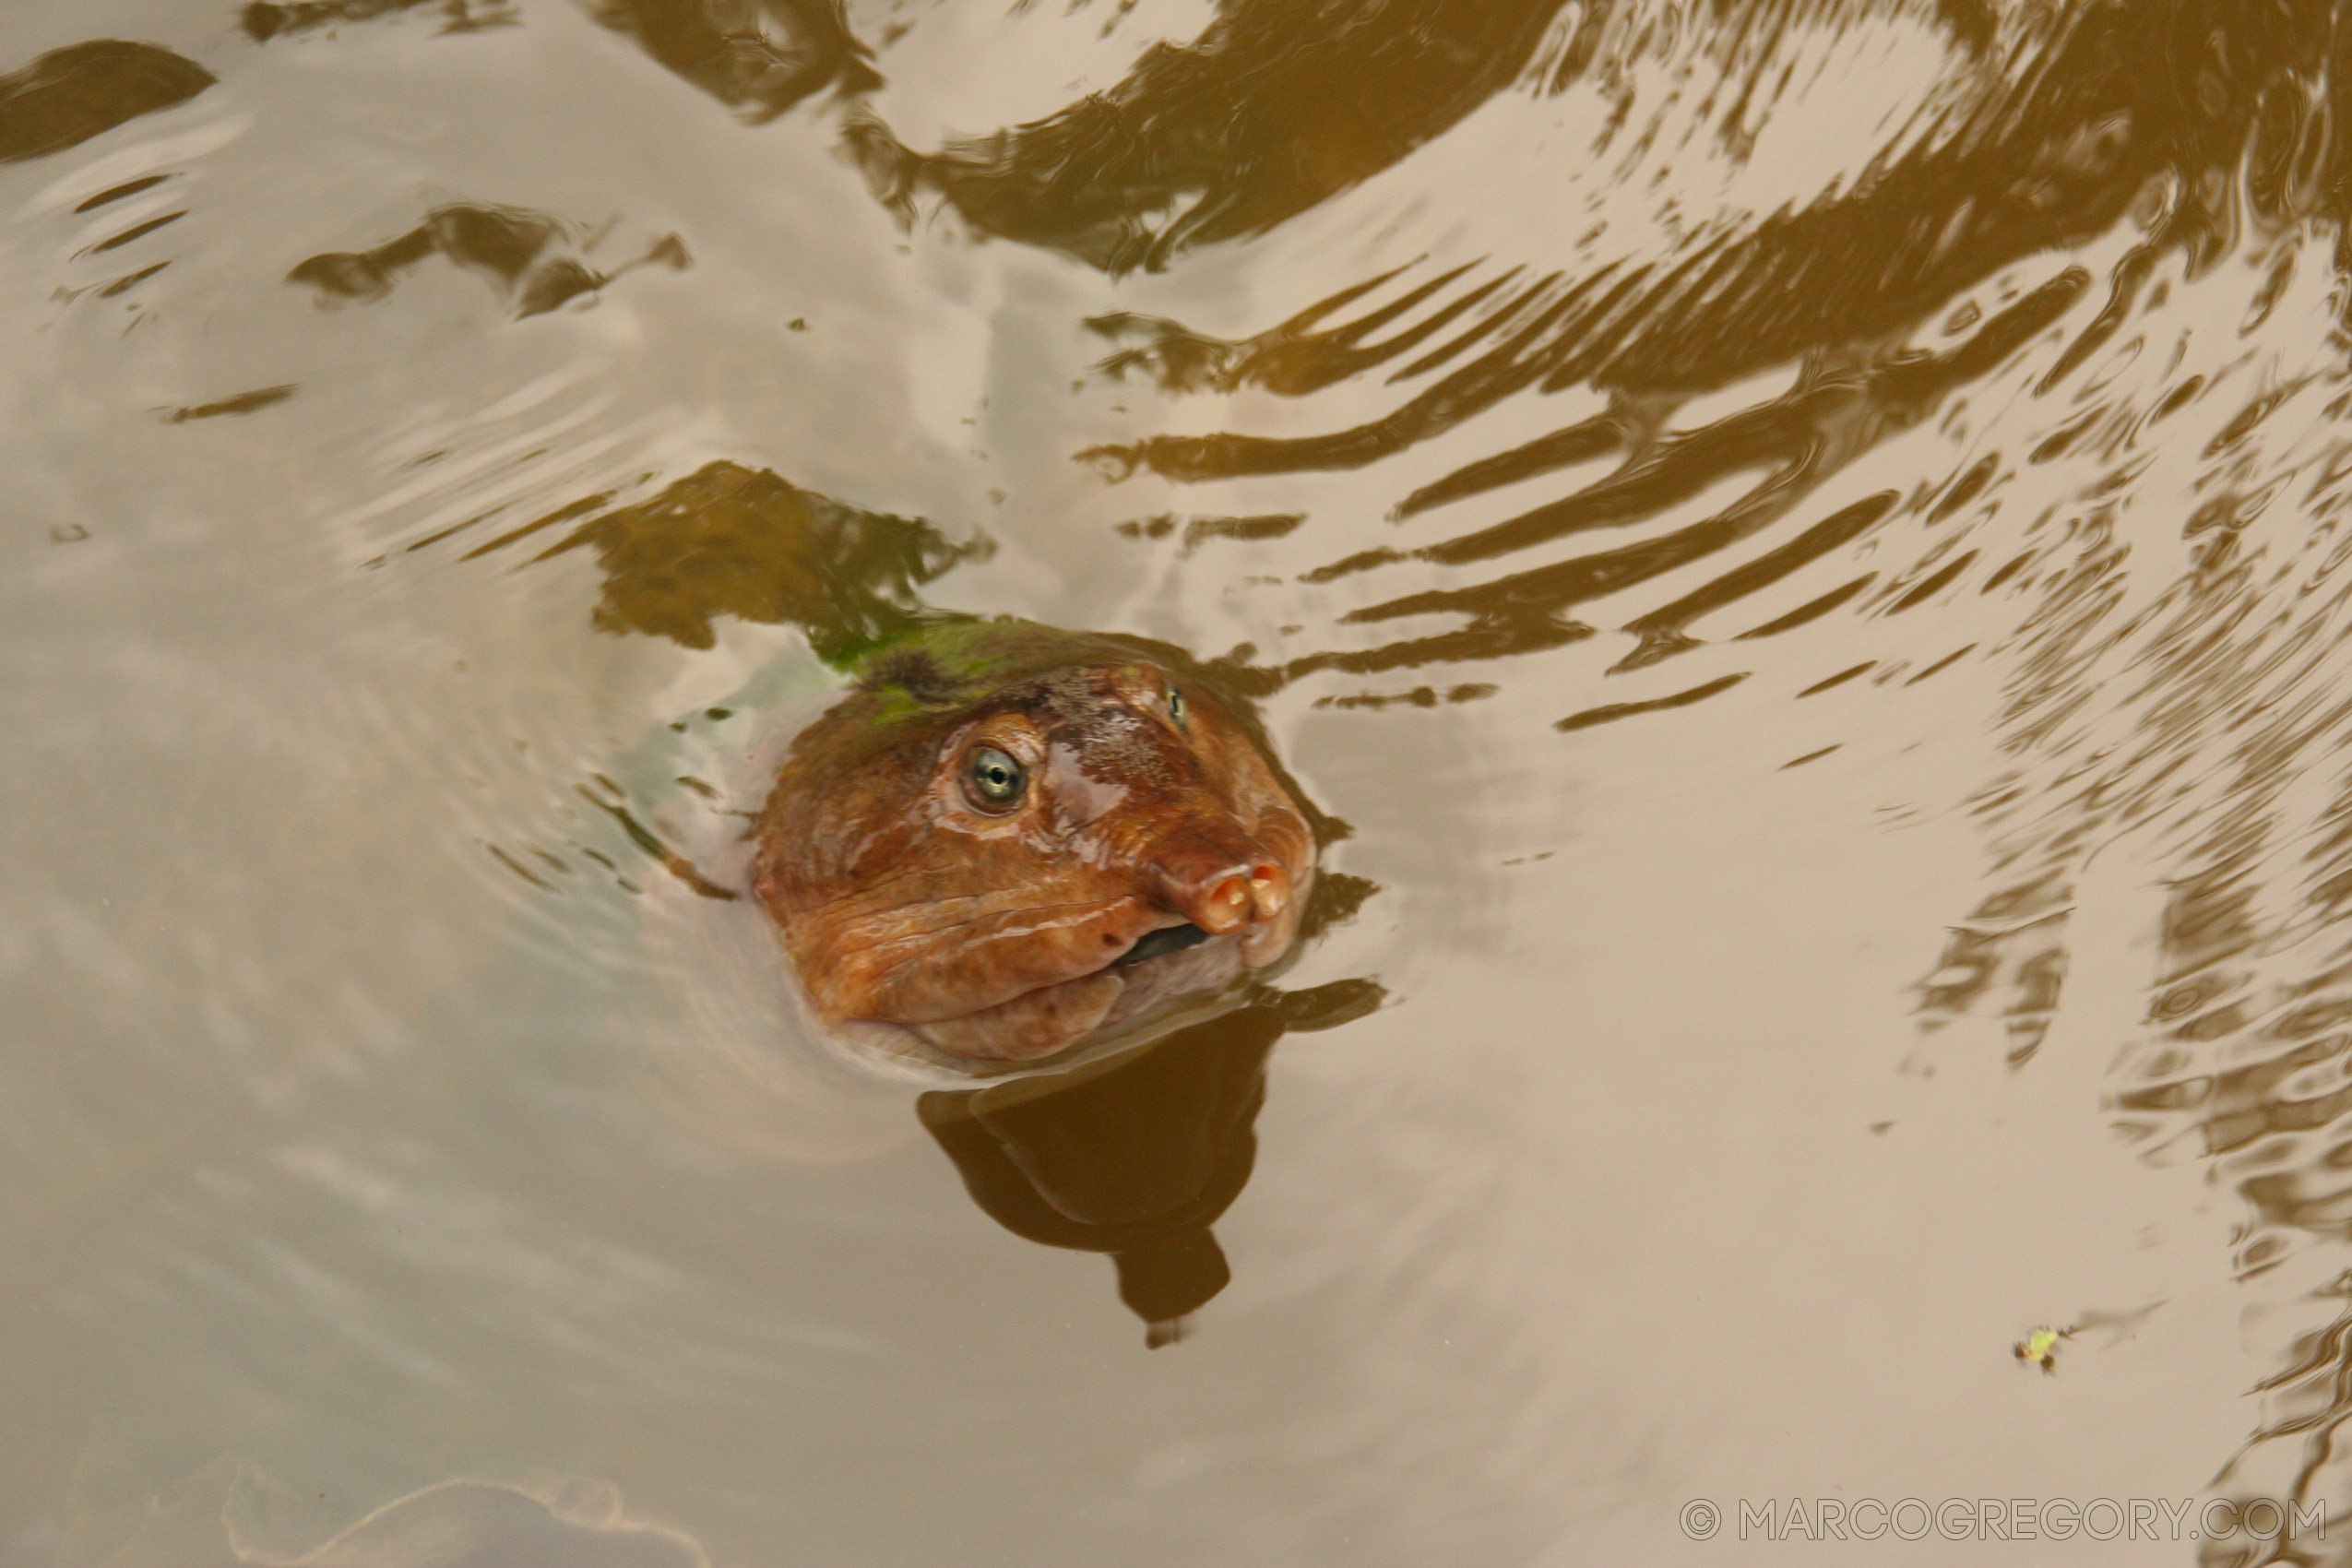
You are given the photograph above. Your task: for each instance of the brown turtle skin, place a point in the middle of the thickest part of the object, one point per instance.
(993, 930)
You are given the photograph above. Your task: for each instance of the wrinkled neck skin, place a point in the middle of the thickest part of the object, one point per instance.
(1019, 843)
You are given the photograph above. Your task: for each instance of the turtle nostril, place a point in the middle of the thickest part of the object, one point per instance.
(1225, 906)
(1220, 881)
(1269, 891)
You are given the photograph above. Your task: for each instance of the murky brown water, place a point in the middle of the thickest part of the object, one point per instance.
(1804, 541)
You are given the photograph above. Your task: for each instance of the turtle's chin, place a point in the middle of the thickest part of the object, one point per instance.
(1034, 1024)
(1172, 961)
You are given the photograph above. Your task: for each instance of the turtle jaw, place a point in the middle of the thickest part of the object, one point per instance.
(1171, 957)
(1052, 1018)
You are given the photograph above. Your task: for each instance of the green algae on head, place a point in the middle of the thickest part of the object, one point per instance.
(1008, 839)
(911, 669)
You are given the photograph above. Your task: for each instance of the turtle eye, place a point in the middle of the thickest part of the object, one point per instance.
(1176, 707)
(993, 780)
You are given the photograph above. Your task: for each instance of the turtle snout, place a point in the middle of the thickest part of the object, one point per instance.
(1222, 887)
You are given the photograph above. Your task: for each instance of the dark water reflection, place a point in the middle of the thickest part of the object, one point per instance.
(1805, 540)
(69, 95)
(1138, 1156)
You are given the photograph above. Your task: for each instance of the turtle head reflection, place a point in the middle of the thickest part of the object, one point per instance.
(1138, 1155)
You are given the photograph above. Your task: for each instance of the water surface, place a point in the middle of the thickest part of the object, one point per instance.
(1801, 544)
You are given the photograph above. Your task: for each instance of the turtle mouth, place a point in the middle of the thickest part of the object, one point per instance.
(1158, 943)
